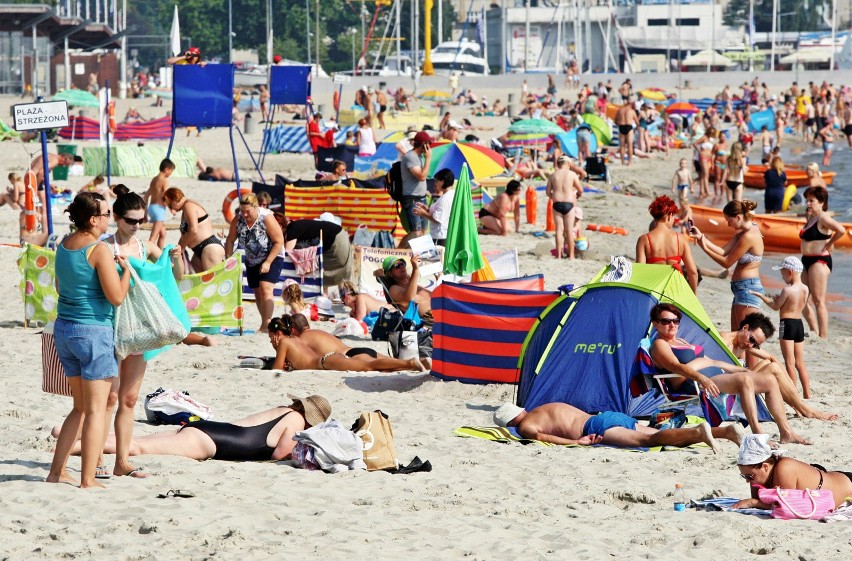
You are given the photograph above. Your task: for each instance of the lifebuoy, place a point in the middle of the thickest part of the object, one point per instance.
(607, 229)
(112, 125)
(228, 203)
(30, 194)
(336, 100)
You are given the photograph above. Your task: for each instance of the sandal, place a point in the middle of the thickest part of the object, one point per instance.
(177, 494)
(102, 472)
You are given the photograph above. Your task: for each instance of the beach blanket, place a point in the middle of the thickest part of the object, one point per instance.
(138, 161)
(724, 504)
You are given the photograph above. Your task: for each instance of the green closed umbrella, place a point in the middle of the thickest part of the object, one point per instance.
(77, 98)
(600, 128)
(462, 255)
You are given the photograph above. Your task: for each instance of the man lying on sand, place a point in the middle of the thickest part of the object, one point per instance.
(560, 423)
(293, 354)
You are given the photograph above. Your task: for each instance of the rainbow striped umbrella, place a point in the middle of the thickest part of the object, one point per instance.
(682, 108)
(541, 126)
(536, 140)
(481, 161)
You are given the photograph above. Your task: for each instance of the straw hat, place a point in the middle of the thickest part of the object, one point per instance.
(317, 408)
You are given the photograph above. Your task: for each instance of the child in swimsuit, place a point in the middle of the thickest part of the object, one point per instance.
(682, 181)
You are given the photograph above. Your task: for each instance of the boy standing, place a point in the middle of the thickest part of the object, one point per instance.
(791, 333)
(156, 205)
(682, 181)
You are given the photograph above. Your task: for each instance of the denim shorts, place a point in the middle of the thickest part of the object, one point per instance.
(86, 350)
(742, 296)
(411, 221)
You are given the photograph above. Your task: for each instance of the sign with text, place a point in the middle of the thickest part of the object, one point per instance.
(44, 115)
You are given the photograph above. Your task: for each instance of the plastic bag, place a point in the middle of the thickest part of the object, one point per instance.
(144, 322)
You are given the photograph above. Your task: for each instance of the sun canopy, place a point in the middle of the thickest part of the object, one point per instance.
(805, 56)
(707, 57)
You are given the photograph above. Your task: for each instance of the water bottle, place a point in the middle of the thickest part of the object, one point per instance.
(679, 498)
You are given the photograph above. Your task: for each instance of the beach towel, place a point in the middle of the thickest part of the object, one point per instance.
(723, 504)
(305, 260)
(843, 513)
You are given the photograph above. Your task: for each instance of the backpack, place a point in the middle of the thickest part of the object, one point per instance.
(393, 181)
(374, 429)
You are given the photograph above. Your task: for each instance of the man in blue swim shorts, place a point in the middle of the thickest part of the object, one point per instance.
(560, 423)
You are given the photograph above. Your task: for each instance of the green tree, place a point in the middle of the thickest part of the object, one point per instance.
(797, 15)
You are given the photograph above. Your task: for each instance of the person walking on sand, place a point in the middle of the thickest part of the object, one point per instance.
(154, 198)
(564, 188)
(791, 333)
(625, 120)
(560, 423)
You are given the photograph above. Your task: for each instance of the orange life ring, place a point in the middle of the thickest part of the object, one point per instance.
(606, 229)
(30, 194)
(335, 100)
(112, 125)
(228, 203)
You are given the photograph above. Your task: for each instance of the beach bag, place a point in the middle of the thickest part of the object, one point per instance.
(798, 504)
(384, 239)
(393, 181)
(404, 341)
(664, 419)
(363, 236)
(171, 407)
(52, 374)
(144, 322)
(388, 321)
(374, 430)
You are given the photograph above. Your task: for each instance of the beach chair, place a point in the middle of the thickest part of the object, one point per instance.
(596, 168)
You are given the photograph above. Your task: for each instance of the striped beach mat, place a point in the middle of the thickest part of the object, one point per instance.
(294, 138)
(156, 129)
(80, 128)
(310, 284)
(138, 161)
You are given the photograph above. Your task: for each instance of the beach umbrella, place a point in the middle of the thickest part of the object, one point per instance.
(462, 254)
(682, 108)
(436, 95)
(535, 140)
(481, 161)
(174, 34)
(707, 57)
(77, 98)
(602, 130)
(568, 143)
(535, 126)
(654, 94)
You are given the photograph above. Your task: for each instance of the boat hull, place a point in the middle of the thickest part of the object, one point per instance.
(753, 178)
(780, 232)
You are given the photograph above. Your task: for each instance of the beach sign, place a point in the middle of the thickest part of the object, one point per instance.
(40, 116)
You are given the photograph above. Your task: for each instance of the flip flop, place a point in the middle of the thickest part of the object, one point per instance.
(102, 472)
(136, 473)
(176, 494)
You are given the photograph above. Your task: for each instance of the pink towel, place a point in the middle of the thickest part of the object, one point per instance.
(305, 260)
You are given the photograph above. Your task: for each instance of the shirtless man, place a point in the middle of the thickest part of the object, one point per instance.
(291, 353)
(156, 204)
(626, 90)
(494, 215)
(53, 160)
(382, 102)
(755, 328)
(625, 119)
(560, 423)
(564, 188)
(322, 342)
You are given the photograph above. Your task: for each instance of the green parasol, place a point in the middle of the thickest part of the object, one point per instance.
(462, 255)
(602, 130)
(77, 98)
(541, 126)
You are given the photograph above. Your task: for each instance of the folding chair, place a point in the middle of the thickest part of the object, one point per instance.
(597, 169)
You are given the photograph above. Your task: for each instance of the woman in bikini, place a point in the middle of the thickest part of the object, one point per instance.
(765, 468)
(734, 172)
(196, 231)
(263, 436)
(720, 163)
(818, 237)
(704, 147)
(494, 217)
(663, 246)
(745, 250)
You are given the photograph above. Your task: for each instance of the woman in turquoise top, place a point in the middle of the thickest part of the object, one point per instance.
(89, 289)
(163, 268)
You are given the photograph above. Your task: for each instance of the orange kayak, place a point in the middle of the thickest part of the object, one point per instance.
(780, 231)
(753, 178)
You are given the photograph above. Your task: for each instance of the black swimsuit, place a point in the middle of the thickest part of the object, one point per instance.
(562, 207)
(237, 443)
(184, 226)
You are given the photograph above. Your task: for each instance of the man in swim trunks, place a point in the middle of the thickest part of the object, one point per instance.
(322, 342)
(564, 188)
(560, 423)
(155, 199)
(291, 353)
(626, 119)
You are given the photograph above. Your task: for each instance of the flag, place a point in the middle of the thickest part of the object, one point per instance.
(174, 34)
(480, 27)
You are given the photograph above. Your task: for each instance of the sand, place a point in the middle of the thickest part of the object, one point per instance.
(481, 501)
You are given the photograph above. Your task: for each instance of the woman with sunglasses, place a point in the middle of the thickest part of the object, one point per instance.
(767, 468)
(196, 230)
(744, 250)
(672, 355)
(89, 290)
(360, 304)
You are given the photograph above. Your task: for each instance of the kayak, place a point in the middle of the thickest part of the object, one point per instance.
(753, 178)
(780, 231)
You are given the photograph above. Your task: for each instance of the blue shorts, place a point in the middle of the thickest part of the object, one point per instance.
(156, 213)
(411, 221)
(254, 277)
(606, 420)
(86, 350)
(742, 296)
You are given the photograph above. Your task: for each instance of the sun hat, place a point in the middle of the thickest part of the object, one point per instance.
(422, 137)
(791, 263)
(329, 217)
(506, 413)
(453, 124)
(578, 213)
(317, 408)
(324, 306)
(389, 262)
(755, 449)
(288, 282)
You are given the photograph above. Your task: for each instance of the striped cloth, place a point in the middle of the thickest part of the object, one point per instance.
(289, 138)
(52, 374)
(156, 129)
(138, 161)
(80, 128)
(311, 285)
(501, 434)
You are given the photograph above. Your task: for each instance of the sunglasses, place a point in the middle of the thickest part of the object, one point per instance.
(668, 321)
(753, 342)
(107, 214)
(747, 477)
(399, 265)
(134, 221)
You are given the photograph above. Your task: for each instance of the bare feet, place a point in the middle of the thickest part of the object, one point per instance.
(820, 415)
(733, 432)
(63, 477)
(92, 485)
(417, 365)
(706, 436)
(791, 437)
(135, 473)
(208, 341)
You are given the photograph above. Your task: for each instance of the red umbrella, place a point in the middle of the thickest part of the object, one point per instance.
(682, 108)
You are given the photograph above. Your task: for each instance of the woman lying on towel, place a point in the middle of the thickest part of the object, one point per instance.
(267, 435)
(764, 467)
(677, 356)
(293, 354)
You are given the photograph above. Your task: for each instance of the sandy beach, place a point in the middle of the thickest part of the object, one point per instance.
(482, 500)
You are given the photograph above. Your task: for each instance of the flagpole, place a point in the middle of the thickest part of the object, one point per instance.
(750, 35)
(833, 32)
(774, 28)
(485, 37)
